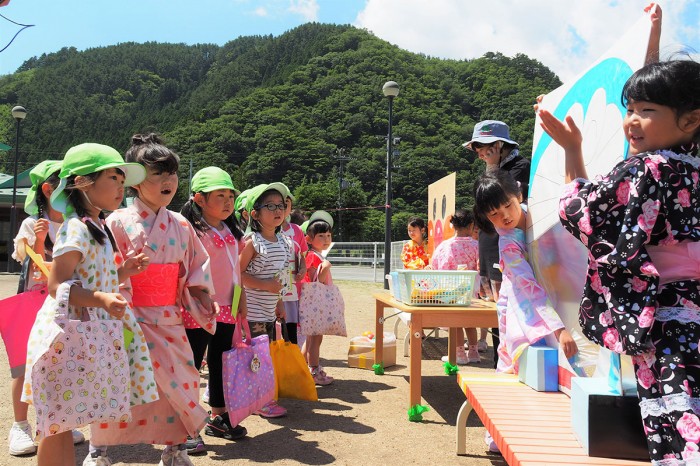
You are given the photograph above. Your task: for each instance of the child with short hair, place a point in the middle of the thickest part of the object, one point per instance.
(92, 177)
(298, 268)
(264, 261)
(319, 235)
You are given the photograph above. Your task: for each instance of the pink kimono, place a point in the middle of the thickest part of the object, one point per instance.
(167, 238)
(524, 312)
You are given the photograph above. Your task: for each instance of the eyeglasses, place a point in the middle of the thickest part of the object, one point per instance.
(272, 207)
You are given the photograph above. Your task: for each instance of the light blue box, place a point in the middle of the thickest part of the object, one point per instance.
(539, 368)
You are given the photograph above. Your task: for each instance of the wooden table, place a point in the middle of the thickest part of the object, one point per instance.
(478, 314)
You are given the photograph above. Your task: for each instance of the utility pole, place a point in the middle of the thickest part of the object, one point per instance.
(342, 184)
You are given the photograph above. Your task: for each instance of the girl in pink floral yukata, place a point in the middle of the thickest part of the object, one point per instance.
(177, 277)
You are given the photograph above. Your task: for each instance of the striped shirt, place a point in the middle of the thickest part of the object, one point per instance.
(271, 261)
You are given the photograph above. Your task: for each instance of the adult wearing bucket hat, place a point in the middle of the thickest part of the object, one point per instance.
(492, 143)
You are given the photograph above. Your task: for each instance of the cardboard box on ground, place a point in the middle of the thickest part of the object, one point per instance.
(361, 351)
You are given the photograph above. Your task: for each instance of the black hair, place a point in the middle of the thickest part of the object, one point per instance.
(150, 151)
(674, 84)
(297, 216)
(491, 191)
(416, 222)
(254, 224)
(77, 199)
(318, 226)
(462, 219)
(42, 203)
(193, 213)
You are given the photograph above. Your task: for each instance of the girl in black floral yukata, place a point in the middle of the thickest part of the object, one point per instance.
(641, 225)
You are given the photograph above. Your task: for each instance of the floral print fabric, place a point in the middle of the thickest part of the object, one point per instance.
(650, 199)
(414, 256)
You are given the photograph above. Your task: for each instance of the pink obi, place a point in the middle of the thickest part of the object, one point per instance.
(156, 286)
(677, 262)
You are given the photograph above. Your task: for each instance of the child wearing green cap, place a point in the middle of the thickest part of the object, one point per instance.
(210, 212)
(298, 267)
(178, 277)
(265, 263)
(92, 180)
(38, 231)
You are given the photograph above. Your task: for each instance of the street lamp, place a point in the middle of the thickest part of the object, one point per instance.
(18, 113)
(390, 90)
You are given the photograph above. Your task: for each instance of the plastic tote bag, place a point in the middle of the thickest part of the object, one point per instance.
(292, 376)
(17, 316)
(249, 382)
(321, 310)
(82, 375)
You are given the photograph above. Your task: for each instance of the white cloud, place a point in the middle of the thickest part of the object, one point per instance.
(308, 9)
(565, 36)
(260, 11)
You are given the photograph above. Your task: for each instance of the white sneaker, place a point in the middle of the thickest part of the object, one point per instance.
(205, 395)
(462, 359)
(482, 346)
(20, 440)
(174, 456)
(97, 459)
(78, 437)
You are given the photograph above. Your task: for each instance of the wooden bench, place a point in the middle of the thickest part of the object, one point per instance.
(530, 428)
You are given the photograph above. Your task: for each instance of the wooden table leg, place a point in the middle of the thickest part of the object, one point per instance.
(451, 345)
(462, 427)
(379, 333)
(416, 354)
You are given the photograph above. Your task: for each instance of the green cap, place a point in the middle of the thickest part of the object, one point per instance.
(257, 191)
(288, 194)
(317, 216)
(88, 158)
(210, 179)
(38, 175)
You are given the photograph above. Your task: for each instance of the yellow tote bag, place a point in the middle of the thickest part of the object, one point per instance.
(292, 376)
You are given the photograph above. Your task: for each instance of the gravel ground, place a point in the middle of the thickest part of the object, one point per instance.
(360, 419)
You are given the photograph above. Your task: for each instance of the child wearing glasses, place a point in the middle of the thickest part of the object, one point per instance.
(264, 263)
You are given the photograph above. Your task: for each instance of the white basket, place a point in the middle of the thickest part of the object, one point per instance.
(437, 287)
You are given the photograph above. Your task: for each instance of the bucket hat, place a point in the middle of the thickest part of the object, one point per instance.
(38, 175)
(210, 179)
(488, 131)
(88, 158)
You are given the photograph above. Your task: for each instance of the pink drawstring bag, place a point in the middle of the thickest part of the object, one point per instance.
(82, 375)
(249, 380)
(17, 316)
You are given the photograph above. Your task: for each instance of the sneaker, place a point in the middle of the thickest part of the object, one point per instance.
(175, 456)
(97, 458)
(205, 395)
(220, 426)
(320, 377)
(462, 359)
(78, 437)
(20, 439)
(493, 448)
(195, 445)
(473, 354)
(271, 410)
(482, 346)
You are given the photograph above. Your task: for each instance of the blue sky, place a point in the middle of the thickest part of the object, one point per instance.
(565, 36)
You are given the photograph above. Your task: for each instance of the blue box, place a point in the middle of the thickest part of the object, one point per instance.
(539, 368)
(395, 286)
(606, 425)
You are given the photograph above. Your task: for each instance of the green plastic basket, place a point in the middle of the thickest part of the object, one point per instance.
(437, 287)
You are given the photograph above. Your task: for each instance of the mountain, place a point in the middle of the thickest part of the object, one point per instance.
(281, 109)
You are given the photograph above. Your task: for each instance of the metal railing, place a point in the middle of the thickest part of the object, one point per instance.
(363, 261)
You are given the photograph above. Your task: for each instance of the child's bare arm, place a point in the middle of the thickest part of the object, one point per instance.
(272, 285)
